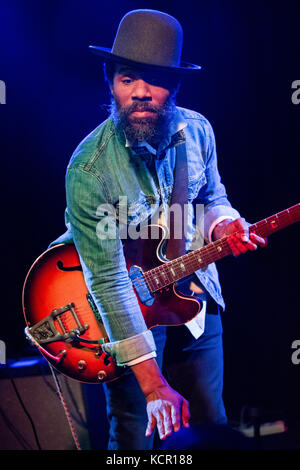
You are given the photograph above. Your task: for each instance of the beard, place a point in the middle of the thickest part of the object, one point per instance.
(151, 129)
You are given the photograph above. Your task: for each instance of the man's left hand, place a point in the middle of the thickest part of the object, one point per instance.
(240, 239)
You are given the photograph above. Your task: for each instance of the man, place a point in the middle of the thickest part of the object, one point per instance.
(132, 155)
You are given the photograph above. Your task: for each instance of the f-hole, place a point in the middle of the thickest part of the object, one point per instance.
(61, 267)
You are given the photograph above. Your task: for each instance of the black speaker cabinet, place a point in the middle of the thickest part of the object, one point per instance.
(32, 415)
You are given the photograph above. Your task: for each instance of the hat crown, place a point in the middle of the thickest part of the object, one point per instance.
(149, 37)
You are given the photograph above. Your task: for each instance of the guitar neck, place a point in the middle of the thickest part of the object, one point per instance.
(172, 271)
(277, 222)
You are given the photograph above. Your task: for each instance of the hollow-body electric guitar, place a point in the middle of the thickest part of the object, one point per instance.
(64, 323)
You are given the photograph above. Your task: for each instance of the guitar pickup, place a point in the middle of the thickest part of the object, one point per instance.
(45, 331)
(140, 286)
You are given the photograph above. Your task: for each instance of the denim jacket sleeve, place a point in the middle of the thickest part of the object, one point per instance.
(104, 267)
(213, 194)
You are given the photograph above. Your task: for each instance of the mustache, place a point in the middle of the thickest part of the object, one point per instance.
(142, 107)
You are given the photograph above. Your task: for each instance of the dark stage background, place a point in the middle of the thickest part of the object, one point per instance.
(250, 54)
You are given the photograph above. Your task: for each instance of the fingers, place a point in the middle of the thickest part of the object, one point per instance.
(167, 424)
(258, 240)
(151, 425)
(240, 243)
(185, 414)
(163, 422)
(166, 420)
(176, 418)
(243, 241)
(167, 417)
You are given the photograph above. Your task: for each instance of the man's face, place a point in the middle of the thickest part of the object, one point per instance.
(143, 104)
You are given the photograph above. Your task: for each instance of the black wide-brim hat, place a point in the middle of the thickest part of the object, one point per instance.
(148, 39)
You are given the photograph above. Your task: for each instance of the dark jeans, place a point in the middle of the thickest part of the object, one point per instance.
(194, 368)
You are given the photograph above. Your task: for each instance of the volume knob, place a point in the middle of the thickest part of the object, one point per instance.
(81, 365)
(101, 375)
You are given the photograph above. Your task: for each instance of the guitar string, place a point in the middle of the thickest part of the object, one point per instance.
(189, 262)
(210, 249)
(69, 321)
(151, 275)
(190, 266)
(83, 314)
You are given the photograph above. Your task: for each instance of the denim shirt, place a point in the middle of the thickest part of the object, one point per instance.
(103, 177)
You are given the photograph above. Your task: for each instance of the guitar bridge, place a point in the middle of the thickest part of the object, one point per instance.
(45, 331)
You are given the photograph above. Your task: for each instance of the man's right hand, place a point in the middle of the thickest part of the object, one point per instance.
(166, 408)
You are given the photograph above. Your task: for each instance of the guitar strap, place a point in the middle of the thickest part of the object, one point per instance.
(176, 245)
(177, 211)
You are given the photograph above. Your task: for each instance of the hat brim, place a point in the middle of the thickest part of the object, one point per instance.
(107, 55)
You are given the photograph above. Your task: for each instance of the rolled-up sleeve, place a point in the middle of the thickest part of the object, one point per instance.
(95, 234)
(128, 351)
(213, 194)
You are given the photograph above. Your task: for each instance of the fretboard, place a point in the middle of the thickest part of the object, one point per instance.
(172, 271)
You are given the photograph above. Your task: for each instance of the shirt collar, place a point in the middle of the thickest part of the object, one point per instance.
(176, 126)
